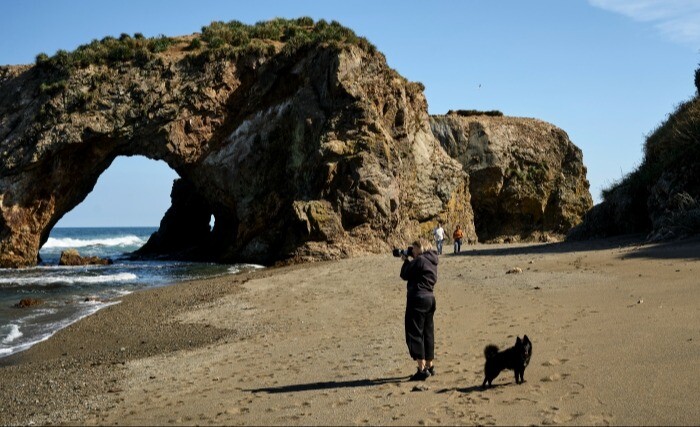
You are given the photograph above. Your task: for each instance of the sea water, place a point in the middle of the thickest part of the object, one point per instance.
(71, 293)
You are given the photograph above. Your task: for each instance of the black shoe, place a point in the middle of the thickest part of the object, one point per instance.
(431, 370)
(420, 375)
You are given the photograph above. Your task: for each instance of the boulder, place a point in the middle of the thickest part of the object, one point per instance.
(72, 257)
(28, 302)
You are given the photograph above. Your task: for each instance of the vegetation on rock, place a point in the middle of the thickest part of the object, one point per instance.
(469, 113)
(218, 40)
(662, 196)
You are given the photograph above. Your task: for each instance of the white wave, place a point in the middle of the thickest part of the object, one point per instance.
(67, 242)
(50, 280)
(53, 329)
(12, 334)
(240, 267)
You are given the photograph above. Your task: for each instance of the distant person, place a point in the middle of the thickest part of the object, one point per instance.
(439, 235)
(421, 276)
(457, 236)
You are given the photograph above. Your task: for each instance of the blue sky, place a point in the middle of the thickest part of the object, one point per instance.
(606, 71)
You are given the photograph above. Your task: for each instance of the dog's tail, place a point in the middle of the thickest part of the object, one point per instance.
(490, 351)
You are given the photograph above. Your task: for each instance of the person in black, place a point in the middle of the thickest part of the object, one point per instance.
(421, 276)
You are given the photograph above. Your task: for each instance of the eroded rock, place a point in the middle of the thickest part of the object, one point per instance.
(72, 257)
(526, 178)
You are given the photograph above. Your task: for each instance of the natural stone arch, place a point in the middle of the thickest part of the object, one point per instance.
(322, 153)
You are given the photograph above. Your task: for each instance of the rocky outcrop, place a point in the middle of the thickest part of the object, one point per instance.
(527, 179)
(301, 148)
(72, 257)
(28, 302)
(661, 198)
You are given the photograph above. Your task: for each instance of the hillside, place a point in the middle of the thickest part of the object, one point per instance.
(661, 198)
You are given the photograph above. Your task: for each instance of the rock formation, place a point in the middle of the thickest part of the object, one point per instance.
(72, 257)
(661, 198)
(296, 136)
(28, 302)
(527, 179)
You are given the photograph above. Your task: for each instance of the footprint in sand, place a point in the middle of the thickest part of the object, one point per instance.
(555, 362)
(551, 378)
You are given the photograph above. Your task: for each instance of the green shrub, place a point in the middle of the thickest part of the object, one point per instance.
(195, 44)
(53, 87)
(41, 58)
(295, 33)
(160, 44)
(218, 40)
(109, 50)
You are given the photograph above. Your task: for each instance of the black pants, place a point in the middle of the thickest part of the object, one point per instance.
(420, 329)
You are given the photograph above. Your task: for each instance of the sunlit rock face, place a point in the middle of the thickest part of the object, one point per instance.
(295, 136)
(321, 152)
(527, 179)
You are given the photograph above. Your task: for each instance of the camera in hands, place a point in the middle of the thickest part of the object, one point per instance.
(408, 252)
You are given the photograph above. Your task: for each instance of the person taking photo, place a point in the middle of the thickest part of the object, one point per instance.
(420, 274)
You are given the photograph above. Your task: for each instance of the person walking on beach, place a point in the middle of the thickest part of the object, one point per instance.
(421, 276)
(457, 236)
(439, 235)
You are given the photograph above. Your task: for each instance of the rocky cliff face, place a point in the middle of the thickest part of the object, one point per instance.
(317, 152)
(661, 198)
(527, 179)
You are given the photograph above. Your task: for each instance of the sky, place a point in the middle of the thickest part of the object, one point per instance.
(607, 72)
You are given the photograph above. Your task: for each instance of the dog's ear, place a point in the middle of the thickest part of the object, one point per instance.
(518, 342)
(526, 339)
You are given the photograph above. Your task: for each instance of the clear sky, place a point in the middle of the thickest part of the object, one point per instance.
(606, 71)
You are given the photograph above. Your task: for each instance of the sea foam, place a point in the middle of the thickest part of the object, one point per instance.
(67, 242)
(241, 267)
(50, 280)
(12, 334)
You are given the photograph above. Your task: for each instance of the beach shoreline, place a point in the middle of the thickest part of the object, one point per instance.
(613, 324)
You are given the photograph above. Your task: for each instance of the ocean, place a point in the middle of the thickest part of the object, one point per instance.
(71, 293)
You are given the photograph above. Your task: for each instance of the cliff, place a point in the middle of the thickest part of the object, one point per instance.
(295, 135)
(661, 198)
(527, 179)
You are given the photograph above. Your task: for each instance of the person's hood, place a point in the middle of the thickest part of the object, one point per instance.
(431, 256)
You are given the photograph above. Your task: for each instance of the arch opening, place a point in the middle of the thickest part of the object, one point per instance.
(119, 214)
(133, 191)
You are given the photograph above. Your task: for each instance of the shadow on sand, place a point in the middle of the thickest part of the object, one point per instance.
(685, 248)
(328, 385)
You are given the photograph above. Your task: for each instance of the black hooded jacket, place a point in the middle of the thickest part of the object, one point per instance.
(421, 274)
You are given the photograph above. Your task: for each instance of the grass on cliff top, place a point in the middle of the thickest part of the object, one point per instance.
(469, 113)
(218, 40)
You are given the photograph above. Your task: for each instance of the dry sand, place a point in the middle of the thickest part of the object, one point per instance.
(615, 328)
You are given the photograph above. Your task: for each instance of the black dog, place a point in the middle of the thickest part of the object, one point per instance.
(515, 358)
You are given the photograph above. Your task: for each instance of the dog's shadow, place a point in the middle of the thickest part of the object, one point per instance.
(472, 389)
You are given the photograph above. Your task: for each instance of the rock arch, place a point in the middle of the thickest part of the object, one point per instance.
(322, 153)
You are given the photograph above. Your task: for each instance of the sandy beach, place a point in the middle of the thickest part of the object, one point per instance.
(615, 327)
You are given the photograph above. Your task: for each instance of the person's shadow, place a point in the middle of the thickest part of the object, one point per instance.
(328, 385)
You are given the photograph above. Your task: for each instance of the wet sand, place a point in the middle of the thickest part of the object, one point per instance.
(615, 327)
